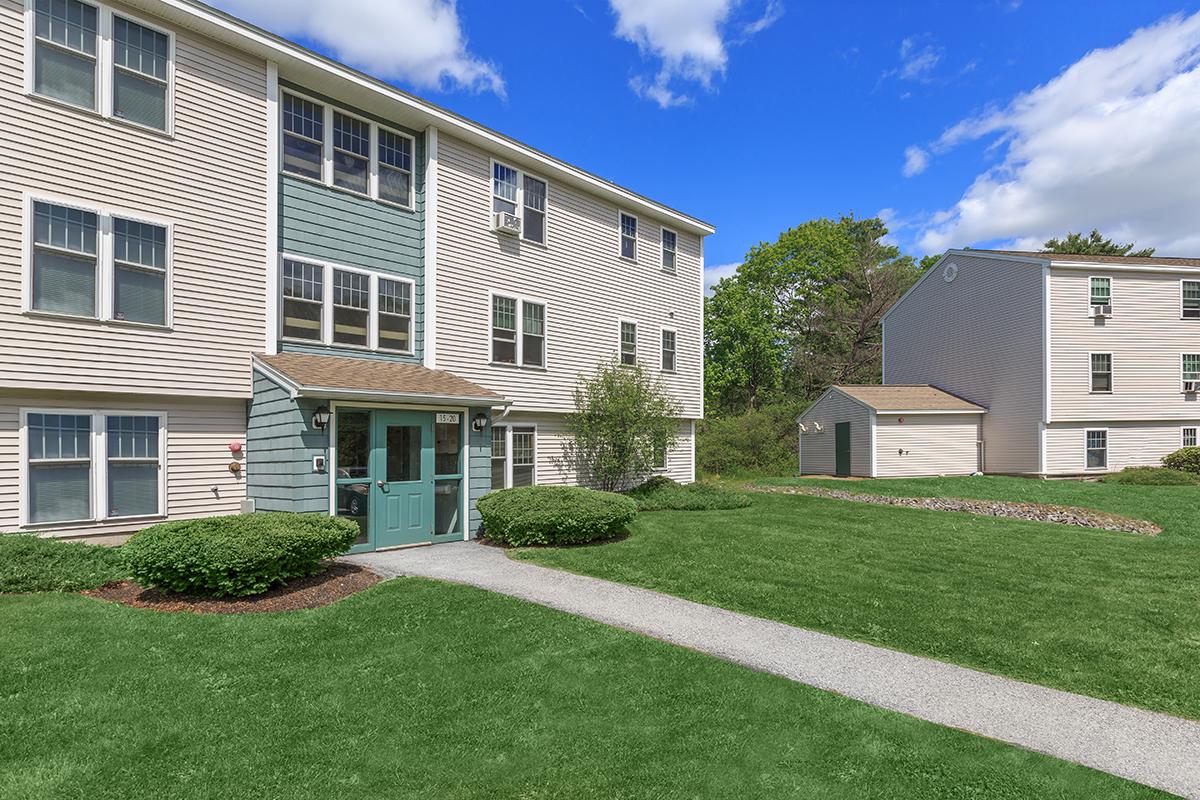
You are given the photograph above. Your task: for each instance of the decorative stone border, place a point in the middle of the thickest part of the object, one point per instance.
(1033, 512)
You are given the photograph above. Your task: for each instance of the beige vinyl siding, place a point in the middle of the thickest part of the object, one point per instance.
(1144, 334)
(209, 180)
(817, 450)
(933, 444)
(979, 337)
(552, 467)
(1130, 444)
(578, 274)
(199, 431)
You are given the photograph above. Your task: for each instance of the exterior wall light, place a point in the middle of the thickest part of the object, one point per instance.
(320, 417)
(479, 422)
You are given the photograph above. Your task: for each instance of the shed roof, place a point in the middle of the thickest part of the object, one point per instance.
(338, 376)
(908, 397)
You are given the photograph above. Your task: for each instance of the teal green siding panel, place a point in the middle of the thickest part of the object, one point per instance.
(340, 227)
(280, 445)
(479, 472)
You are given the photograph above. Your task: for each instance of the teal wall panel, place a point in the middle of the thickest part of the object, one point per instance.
(280, 445)
(479, 469)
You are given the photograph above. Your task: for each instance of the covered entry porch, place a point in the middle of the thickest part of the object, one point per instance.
(402, 450)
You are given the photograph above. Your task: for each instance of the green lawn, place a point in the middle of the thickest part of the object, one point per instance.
(1111, 615)
(417, 689)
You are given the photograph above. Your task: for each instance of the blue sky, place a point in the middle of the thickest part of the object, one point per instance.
(966, 122)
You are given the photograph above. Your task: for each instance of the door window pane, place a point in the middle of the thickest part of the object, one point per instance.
(351, 299)
(395, 315)
(447, 506)
(352, 481)
(447, 448)
(403, 453)
(302, 292)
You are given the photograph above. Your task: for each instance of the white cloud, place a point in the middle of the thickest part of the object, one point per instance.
(918, 58)
(420, 42)
(713, 275)
(690, 40)
(916, 159)
(1110, 143)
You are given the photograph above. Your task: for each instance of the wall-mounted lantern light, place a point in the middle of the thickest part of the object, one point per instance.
(320, 417)
(479, 422)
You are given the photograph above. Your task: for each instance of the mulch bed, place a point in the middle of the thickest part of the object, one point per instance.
(1033, 512)
(338, 581)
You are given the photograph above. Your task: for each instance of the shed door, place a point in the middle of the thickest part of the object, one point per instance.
(841, 448)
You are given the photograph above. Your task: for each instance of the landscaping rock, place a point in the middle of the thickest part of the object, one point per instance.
(1033, 512)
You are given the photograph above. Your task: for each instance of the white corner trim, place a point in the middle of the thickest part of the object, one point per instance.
(1046, 310)
(874, 447)
(702, 383)
(429, 305)
(271, 346)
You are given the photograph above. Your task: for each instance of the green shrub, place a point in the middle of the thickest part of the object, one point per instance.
(1186, 459)
(1152, 476)
(237, 555)
(554, 515)
(759, 442)
(660, 493)
(33, 564)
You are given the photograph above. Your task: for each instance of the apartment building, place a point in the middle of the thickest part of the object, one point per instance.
(246, 277)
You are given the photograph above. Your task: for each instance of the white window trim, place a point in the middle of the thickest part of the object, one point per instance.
(661, 367)
(98, 457)
(520, 322)
(1111, 370)
(520, 201)
(663, 250)
(1183, 435)
(105, 66)
(637, 336)
(508, 426)
(373, 129)
(105, 262)
(326, 340)
(1181, 365)
(1182, 281)
(1108, 278)
(1107, 449)
(637, 236)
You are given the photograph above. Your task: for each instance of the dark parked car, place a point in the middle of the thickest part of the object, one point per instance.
(352, 497)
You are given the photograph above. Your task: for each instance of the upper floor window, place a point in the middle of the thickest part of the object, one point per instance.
(629, 232)
(527, 349)
(669, 243)
(334, 147)
(70, 66)
(345, 307)
(1190, 299)
(1191, 371)
(520, 194)
(68, 263)
(629, 344)
(1100, 293)
(668, 350)
(1101, 372)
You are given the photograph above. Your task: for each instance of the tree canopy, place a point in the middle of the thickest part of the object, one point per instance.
(1094, 244)
(802, 312)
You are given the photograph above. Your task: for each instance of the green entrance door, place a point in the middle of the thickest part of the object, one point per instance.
(841, 448)
(402, 467)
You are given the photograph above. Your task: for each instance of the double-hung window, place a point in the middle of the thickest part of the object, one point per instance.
(515, 192)
(71, 66)
(514, 456)
(1189, 437)
(1100, 292)
(303, 137)
(351, 153)
(1191, 370)
(141, 60)
(345, 307)
(1096, 449)
(69, 262)
(65, 51)
(668, 350)
(1101, 372)
(529, 347)
(1189, 299)
(629, 233)
(628, 344)
(669, 243)
(88, 466)
(395, 167)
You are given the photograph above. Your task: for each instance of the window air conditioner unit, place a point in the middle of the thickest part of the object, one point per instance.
(1099, 312)
(505, 222)
(1191, 387)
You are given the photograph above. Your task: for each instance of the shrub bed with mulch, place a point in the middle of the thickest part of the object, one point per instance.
(1033, 512)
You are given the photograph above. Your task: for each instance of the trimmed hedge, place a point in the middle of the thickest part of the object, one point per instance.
(237, 555)
(32, 564)
(1152, 476)
(552, 515)
(1186, 459)
(660, 493)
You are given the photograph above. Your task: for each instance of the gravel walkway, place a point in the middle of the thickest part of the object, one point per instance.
(1034, 512)
(1153, 749)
